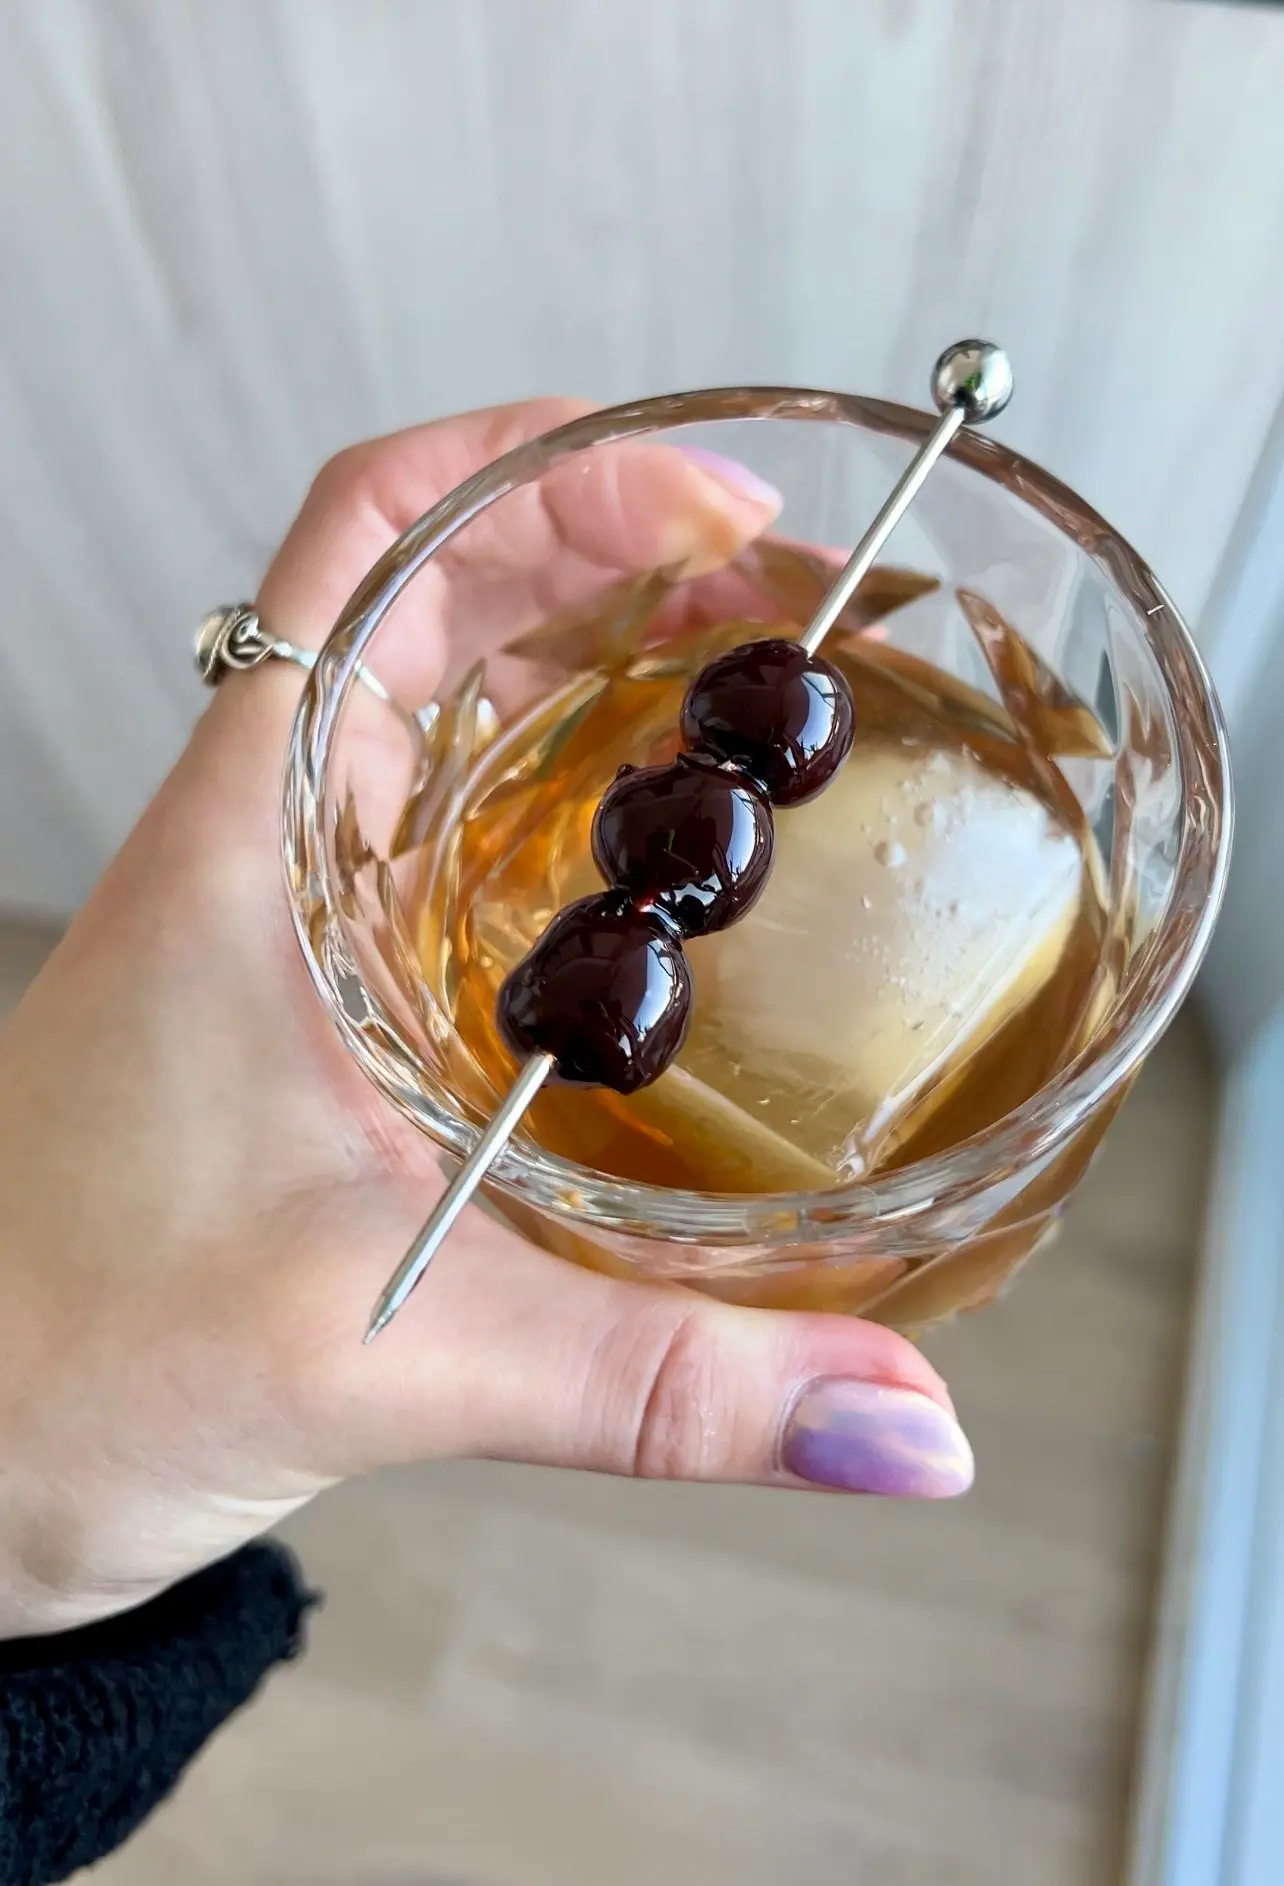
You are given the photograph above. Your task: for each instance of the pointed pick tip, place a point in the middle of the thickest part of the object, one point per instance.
(379, 1321)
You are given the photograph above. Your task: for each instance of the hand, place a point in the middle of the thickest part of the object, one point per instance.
(200, 1196)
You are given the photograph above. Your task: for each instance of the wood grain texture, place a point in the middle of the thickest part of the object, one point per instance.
(235, 234)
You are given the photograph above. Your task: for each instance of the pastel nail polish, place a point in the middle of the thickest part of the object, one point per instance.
(734, 476)
(863, 1437)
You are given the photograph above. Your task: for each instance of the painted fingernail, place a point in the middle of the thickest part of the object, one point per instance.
(866, 1438)
(734, 476)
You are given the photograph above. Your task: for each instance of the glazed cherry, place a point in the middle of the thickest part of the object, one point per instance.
(606, 991)
(783, 715)
(691, 837)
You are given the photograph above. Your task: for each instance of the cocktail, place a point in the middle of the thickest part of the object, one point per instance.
(909, 1020)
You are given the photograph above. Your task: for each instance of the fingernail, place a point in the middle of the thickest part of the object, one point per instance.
(736, 477)
(866, 1438)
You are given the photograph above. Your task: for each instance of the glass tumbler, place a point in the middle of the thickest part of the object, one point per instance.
(509, 606)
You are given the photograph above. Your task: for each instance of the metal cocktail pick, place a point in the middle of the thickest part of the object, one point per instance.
(971, 382)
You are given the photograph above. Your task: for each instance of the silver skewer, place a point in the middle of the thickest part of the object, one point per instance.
(503, 1125)
(971, 382)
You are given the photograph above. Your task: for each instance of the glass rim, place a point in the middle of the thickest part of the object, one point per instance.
(930, 1188)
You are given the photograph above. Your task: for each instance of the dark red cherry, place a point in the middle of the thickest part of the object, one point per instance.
(783, 715)
(606, 991)
(691, 837)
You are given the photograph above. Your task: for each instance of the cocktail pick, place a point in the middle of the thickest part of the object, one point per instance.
(602, 998)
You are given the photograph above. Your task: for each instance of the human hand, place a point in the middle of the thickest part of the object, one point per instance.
(200, 1195)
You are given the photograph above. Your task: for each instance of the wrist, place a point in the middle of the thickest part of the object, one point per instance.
(71, 1520)
(61, 1563)
(52, 1569)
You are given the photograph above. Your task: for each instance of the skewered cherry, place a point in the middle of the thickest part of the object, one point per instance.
(692, 838)
(606, 991)
(783, 715)
(604, 996)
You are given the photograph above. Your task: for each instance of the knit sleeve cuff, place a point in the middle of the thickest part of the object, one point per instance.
(97, 1725)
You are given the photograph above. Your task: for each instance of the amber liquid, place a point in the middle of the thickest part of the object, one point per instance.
(931, 948)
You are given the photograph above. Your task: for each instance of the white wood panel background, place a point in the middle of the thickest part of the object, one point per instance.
(235, 234)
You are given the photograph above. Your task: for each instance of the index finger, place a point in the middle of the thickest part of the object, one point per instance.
(599, 515)
(611, 511)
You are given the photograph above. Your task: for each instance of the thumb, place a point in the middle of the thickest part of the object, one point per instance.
(508, 1353)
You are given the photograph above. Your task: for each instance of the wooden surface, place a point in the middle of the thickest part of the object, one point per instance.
(235, 234)
(533, 1679)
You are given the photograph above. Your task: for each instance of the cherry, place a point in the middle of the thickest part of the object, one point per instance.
(783, 715)
(692, 838)
(686, 848)
(606, 991)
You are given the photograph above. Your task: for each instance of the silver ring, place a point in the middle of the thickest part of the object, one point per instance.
(233, 640)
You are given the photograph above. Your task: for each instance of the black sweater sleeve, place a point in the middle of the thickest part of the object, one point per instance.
(97, 1726)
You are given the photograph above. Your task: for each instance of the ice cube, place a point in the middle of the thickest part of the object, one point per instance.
(912, 908)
